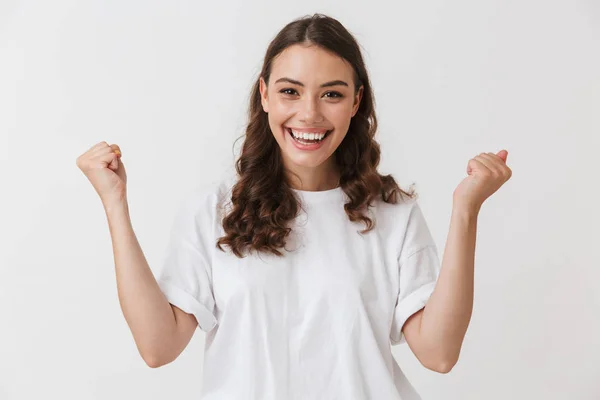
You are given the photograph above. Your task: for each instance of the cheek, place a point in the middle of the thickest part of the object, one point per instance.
(343, 109)
(282, 109)
(340, 116)
(277, 117)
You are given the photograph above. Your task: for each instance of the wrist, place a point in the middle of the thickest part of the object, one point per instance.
(471, 211)
(117, 204)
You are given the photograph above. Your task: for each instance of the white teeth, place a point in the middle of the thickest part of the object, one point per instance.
(307, 136)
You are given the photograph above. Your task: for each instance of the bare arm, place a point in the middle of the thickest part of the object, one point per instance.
(435, 334)
(161, 331)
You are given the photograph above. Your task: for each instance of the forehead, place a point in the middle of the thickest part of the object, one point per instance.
(310, 65)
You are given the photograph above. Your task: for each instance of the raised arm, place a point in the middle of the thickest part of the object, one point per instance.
(161, 331)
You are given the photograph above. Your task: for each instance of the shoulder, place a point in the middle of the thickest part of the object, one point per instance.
(403, 223)
(396, 215)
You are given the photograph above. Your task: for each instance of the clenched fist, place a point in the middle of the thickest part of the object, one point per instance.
(487, 172)
(103, 166)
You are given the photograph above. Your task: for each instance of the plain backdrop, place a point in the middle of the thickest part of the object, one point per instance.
(169, 83)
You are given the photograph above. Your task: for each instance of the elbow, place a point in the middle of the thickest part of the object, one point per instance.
(153, 362)
(442, 366)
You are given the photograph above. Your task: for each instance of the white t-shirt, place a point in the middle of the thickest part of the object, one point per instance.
(317, 323)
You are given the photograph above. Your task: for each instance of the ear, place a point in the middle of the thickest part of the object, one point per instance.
(263, 95)
(357, 100)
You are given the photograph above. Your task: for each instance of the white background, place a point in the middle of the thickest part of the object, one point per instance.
(169, 83)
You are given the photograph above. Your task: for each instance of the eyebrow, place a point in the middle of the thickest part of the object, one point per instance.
(326, 84)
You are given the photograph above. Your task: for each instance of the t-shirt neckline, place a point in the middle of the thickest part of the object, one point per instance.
(320, 195)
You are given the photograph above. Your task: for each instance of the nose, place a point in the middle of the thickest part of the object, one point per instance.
(311, 112)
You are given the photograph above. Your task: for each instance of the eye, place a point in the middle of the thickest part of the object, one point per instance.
(337, 95)
(284, 91)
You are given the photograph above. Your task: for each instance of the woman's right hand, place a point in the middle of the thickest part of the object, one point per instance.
(103, 167)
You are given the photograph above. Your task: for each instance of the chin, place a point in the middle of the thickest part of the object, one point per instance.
(305, 162)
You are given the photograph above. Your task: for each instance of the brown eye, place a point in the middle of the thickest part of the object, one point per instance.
(284, 91)
(337, 95)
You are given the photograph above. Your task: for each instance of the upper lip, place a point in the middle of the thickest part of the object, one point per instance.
(309, 130)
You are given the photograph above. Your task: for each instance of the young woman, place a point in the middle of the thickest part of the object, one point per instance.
(307, 266)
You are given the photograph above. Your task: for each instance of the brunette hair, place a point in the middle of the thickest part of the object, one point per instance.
(262, 200)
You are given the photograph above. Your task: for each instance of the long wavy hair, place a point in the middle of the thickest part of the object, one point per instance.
(262, 202)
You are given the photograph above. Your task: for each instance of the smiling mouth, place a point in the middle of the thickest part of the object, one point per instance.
(307, 141)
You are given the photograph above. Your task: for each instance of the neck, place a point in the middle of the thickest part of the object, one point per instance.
(314, 179)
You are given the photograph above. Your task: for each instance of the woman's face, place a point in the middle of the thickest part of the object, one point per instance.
(310, 93)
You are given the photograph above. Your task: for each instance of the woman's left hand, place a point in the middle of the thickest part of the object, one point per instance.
(487, 172)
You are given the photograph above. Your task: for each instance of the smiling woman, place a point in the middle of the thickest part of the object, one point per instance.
(313, 97)
(297, 300)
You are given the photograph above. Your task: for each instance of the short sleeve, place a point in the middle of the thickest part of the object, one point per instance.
(186, 277)
(418, 271)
